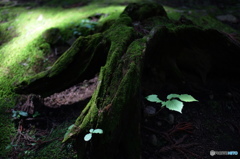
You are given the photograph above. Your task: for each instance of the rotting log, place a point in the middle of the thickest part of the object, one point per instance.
(136, 49)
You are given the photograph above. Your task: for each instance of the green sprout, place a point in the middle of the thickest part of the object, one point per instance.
(88, 136)
(19, 114)
(172, 103)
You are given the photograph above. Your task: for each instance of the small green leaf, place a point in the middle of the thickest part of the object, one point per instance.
(71, 126)
(91, 130)
(15, 113)
(153, 98)
(8, 147)
(36, 114)
(69, 130)
(88, 137)
(22, 113)
(170, 96)
(163, 104)
(175, 105)
(98, 131)
(187, 98)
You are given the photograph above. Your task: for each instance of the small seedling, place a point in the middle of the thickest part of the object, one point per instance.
(172, 103)
(84, 27)
(19, 114)
(88, 136)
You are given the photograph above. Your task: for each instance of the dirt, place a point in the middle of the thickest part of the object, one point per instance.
(46, 114)
(210, 124)
(73, 94)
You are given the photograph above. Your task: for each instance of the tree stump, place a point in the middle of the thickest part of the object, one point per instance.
(141, 46)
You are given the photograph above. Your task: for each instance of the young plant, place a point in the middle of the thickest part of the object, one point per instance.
(18, 114)
(172, 103)
(88, 136)
(84, 27)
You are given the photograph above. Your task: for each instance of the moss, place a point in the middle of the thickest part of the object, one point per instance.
(117, 86)
(142, 11)
(55, 148)
(123, 72)
(6, 126)
(106, 22)
(172, 13)
(105, 25)
(74, 65)
(118, 31)
(150, 23)
(45, 48)
(18, 56)
(208, 22)
(22, 46)
(51, 35)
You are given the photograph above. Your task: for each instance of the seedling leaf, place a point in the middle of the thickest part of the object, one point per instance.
(71, 126)
(153, 98)
(36, 114)
(91, 130)
(163, 104)
(170, 96)
(8, 147)
(98, 131)
(88, 137)
(187, 98)
(175, 105)
(22, 113)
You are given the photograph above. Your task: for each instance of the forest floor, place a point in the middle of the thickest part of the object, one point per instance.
(212, 123)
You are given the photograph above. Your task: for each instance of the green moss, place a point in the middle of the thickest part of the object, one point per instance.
(45, 48)
(117, 86)
(114, 93)
(142, 11)
(205, 20)
(51, 35)
(208, 22)
(80, 55)
(172, 13)
(120, 36)
(31, 23)
(19, 55)
(22, 48)
(6, 126)
(55, 148)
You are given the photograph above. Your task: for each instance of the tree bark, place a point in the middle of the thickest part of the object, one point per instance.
(142, 46)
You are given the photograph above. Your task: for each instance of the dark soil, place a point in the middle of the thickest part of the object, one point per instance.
(46, 114)
(210, 124)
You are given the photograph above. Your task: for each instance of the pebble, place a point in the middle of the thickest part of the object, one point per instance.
(150, 110)
(227, 18)
(170, 119)
(159, 123)
(154, 140)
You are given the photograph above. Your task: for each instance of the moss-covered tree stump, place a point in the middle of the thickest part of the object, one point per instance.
(142, 44)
